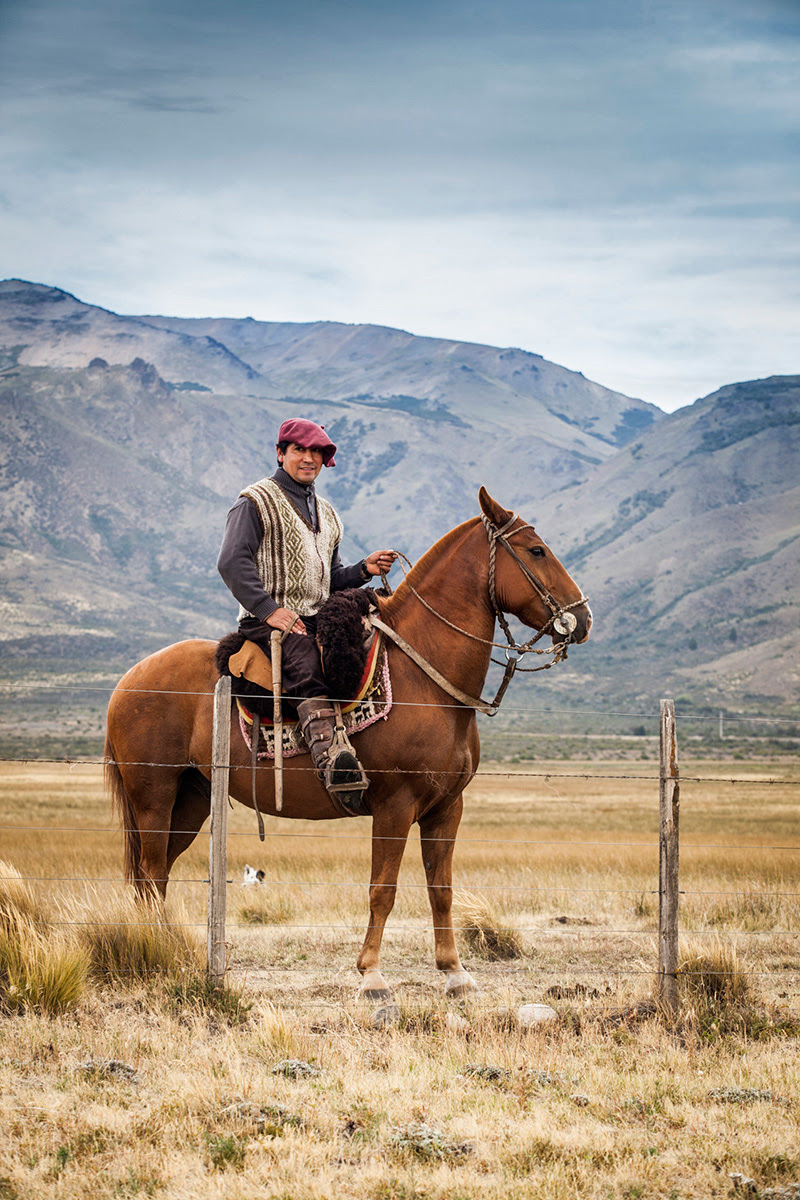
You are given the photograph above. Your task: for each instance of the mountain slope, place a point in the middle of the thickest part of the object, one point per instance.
(117, 473)
(431, 375)
(44, 326)
(126, 439)
(688, 542)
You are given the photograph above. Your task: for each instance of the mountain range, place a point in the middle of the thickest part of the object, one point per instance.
(126, 439)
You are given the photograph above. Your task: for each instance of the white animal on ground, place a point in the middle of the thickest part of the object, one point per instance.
(252, 877)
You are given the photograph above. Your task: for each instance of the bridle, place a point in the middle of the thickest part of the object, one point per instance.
(562, 620)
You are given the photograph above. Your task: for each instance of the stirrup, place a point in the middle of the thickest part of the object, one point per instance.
(343, 775)
(334, 758)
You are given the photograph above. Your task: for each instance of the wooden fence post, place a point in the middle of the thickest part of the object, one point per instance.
(218, 839)
(668, 881)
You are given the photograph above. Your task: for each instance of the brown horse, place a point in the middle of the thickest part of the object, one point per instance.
(419, 760)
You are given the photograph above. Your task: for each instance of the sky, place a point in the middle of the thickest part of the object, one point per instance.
(612, 184)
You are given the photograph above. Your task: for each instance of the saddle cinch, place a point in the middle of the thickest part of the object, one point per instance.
(353, 667)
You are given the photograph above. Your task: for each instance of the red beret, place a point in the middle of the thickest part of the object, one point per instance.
(309, 436)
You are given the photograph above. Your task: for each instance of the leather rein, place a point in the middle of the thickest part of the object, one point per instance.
(561, 620)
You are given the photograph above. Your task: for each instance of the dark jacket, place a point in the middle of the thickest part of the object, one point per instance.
(243, 534)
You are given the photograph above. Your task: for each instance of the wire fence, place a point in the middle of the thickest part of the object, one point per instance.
(402, 929)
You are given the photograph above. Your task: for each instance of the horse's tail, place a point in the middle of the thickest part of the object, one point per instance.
(121, 803)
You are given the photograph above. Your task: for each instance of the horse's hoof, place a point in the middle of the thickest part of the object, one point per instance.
(373, 988)
(376, 995)
(461, 984)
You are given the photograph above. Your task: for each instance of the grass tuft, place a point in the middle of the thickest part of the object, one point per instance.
(18, 900)
(39, 970)
(127, 941)
(715, 991)
(484, 931)
(714, 976)
(39, 973)
(198, 991)
(266, 909)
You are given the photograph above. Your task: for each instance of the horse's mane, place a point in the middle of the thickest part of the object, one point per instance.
(424, 564)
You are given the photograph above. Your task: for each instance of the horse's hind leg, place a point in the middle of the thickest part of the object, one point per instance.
(438, 831)
(192, 806)
(152, 791)
(389, 834)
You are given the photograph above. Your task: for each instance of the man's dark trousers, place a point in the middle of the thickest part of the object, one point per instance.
(302, 676)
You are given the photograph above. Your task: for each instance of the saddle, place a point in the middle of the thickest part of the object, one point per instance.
(347, 644)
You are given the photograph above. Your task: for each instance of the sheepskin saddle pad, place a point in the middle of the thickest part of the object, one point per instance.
(344, 637)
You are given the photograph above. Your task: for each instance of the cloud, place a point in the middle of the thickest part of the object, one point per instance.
(605, 183)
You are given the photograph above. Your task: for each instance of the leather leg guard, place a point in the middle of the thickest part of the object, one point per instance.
(333, 755)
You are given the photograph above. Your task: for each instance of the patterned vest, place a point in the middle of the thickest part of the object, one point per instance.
(293, 562)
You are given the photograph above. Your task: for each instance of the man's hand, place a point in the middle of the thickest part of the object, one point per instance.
(380, 562)
(282, 619)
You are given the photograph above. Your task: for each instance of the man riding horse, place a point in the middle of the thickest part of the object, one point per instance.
(280, 559)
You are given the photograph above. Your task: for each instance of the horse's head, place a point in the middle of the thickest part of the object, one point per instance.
(529, 581)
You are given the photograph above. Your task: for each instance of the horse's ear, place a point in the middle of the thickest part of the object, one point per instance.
(494, 511)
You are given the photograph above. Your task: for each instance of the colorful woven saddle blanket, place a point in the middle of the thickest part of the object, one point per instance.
(372, 702)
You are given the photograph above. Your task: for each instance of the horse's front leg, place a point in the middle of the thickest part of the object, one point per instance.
(438, 831)
(390, 828)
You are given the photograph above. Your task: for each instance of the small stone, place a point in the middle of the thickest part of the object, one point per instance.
(266, 1118)
(487, 1071)
(109, 1068)
(743, 1184)
(535, 1014)
(295, 1068)
(580, 1100)
(386, 1016)
(455, 1023)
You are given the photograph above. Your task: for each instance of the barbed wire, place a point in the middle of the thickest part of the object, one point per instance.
(578, 932)
(370, 837)
(395, 929)
(590, 777)
(495, 969)
(713, 718)
(254, 889)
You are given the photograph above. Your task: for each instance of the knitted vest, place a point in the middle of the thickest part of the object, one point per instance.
(293, 562)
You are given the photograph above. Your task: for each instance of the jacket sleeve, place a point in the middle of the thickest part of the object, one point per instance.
(345, 577)
(237, 559)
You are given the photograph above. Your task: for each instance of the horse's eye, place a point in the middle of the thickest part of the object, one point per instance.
(537, 551)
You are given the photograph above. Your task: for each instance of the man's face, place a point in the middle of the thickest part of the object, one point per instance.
(302, 464)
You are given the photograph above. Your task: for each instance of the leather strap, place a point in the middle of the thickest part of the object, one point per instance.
(255, 735)
(463, 697)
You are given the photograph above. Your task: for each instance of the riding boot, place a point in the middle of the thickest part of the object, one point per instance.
(333, 756)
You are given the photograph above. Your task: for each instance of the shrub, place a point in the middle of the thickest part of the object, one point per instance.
(227, 1151)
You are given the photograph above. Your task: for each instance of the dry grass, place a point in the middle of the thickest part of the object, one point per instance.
(484, 931)
(40, 970)
(123, 940)
(454, 1102)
